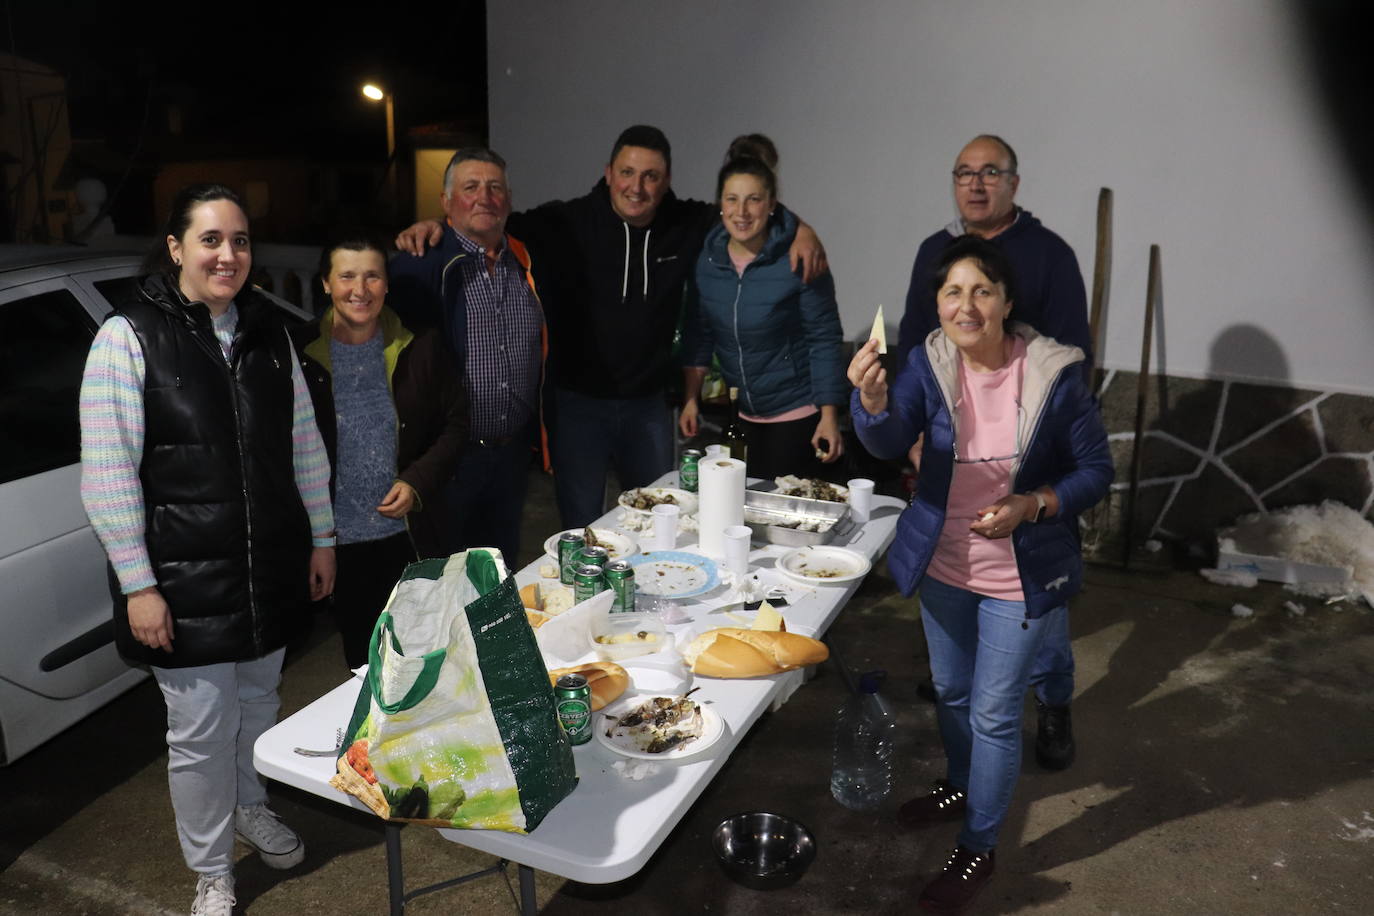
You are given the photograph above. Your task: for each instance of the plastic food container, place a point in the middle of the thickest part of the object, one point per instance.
(617, 636)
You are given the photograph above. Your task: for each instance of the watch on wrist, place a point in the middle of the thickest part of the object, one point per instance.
(1039, 507)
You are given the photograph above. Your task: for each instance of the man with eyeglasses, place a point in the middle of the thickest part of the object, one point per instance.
(1050, 298)
(1050, 294)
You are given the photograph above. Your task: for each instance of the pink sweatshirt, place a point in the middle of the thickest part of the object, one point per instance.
(987, 440)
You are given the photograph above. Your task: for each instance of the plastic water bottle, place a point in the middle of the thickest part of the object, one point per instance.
(862, 774)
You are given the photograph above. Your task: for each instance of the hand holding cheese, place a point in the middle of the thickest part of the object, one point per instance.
(736, 652)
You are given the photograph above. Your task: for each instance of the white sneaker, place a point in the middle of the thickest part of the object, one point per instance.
(214, 896)
(276, 843)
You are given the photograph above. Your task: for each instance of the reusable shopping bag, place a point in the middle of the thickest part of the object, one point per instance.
(455, 724)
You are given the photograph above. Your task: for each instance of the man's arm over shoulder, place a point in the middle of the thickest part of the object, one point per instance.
(414, 288)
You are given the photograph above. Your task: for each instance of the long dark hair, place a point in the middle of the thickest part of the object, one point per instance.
(158, 260)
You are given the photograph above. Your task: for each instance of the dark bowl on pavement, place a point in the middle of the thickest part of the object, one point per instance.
(763, 851)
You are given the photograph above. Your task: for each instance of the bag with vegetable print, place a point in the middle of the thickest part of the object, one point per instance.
(455, 725)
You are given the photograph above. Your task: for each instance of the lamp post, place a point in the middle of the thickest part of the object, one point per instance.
(375, 93)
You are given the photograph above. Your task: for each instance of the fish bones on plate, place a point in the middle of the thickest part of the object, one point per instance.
(659, 724)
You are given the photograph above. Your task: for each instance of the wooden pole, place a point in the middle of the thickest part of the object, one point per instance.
(1141, 388)
(1102, 280)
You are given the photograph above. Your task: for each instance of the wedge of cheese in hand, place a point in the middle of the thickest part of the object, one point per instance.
(879, 332)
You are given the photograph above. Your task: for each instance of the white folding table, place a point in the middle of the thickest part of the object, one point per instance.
(610, 825)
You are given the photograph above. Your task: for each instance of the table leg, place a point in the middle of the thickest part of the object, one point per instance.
(395, 879)
(528, 905)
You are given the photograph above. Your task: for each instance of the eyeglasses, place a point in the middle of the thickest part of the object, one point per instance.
(1020, 421)
(990, 175)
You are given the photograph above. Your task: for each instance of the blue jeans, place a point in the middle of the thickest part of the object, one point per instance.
(981, 653)
(1052, 674)
(592, 435)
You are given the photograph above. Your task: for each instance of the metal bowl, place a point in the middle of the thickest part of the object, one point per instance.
(763, 851)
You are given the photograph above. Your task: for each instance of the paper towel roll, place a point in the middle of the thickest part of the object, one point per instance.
(721, 501)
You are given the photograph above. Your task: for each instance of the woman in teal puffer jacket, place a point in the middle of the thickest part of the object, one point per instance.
(777, 339)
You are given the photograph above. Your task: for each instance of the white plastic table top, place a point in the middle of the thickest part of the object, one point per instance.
(610, 825)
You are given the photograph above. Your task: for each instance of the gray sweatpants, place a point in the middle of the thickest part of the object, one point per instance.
(215, 713)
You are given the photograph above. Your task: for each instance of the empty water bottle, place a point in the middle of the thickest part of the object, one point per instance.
(862, 774)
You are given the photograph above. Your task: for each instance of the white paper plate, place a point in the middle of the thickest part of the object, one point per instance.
(823, 565)
(687, 502)
(713, 727)
(618, 544)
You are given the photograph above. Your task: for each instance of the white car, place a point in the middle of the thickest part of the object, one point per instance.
(58, 662)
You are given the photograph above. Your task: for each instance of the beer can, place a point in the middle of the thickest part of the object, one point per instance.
(594, 556)
(620, 578)
(573, 699)
(569, 543)
(588, 581)
(688, 471)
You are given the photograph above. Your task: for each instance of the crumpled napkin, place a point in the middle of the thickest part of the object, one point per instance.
(634, 769)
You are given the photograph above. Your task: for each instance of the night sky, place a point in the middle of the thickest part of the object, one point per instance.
(245, 85)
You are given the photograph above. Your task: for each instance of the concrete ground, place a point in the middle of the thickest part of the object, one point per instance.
(1225, 765)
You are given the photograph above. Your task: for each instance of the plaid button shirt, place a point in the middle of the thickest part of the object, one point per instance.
(503, 348)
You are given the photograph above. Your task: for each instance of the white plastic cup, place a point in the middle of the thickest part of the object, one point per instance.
(735, 546)
(716, 450)
(860, 498)
(665, 526)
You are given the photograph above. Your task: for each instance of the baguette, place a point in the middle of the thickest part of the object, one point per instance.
(606, 679)
(737, 652)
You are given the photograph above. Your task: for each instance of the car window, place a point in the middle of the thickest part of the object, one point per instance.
(44, 339)
(118, 289)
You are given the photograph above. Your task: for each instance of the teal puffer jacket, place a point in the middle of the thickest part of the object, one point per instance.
(777, 339)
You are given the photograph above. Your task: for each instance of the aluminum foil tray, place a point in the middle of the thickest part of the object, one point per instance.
(773, 518)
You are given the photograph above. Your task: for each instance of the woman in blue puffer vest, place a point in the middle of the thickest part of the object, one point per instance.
(777, 339)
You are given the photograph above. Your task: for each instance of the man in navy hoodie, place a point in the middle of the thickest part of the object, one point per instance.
(1050, 298)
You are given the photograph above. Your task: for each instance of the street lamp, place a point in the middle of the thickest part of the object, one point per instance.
(375, 93)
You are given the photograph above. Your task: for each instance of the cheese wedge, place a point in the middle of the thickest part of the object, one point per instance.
(768, 619)
(879, 332)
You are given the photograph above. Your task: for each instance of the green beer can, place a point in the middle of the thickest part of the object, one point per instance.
(588, 581)
(573, 699)
(593, 556)
(620, 578)
(689, 471)
(569, 545)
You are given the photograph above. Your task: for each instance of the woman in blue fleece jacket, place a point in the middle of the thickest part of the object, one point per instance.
(777, 338)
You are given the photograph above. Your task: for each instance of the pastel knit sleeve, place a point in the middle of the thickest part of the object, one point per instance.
(309, 459)
(111, 409)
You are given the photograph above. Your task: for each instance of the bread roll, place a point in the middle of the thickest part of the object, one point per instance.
(606, 679)
(536, 618)
(737, 652)
(530, 597)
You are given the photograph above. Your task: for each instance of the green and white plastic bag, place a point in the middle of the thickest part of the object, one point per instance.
(455, 724)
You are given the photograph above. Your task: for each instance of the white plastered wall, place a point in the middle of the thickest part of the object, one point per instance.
(1201, 116)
